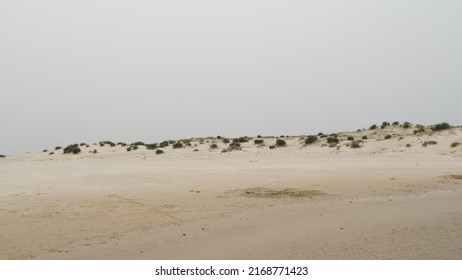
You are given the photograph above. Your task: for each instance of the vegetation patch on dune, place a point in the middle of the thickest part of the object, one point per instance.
(260, 192)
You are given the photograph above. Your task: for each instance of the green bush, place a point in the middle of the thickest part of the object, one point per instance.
(159, 151)
(408, 145)
(163, 144)
(426, 143)
(332, 140)
(233, 146)
(225, 140)
(213, 146)
(151, 146)
(395, 123)
(72, 149)
(441, 126)
(407, 125)
(195, 150)
(258, 141)
(350, 138)
(374, 126)
(58, 148)
(122, 144)
(243, 139)
(420, 128)
(364, 137)
(177, 145)
(320, 134)
(2, 156)
(280, 143)
(129, 149)
(259, 136)
(45, 151)
(355, 145)
(135, 147)
(272, 147)
(138, 143)
(51, 153)
(388, 136)
(95, 151)
(454, 144)
(311, 139)
(82, 144)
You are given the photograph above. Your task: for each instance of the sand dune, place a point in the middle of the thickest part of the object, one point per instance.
(389, 199)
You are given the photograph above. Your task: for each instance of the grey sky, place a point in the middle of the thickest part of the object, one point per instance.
(84, 71)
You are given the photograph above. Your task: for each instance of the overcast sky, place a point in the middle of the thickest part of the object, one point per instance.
(84, 71)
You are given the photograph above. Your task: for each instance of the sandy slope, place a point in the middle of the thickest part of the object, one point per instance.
(384, 200)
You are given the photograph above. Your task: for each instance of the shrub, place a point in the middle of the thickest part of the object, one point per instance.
(282, 136)
(138, 143)
(82, 144)
(408, 145)
(388, 136)
(407, 125)
(272, 147)
(177, 145)
(350, 138)
(122, 144)
(58, 148)
(258, 141)
(233, 146)
(364, 137)
(51, 153)
(163, 144)
(374, 126)
(441, 126)
(72, 149)
(45, 151)
(151, 146)
(385, 124)
(213, 146)
(332, 145)
(320, 134)
(395, 123)
(280, 143)
(311, 139)
(129, 149)
(225, 140)
(195, 150)
(2, 156)
(420, 128)
(332, 140)
(95, 151)
(135, 147)
(426, 143)
(219, 137)
(454, 144)
(159, 151)
(323, 136)
(87, 146)
(171, 142)
(243, 139)
(355, 145)
(259, 136)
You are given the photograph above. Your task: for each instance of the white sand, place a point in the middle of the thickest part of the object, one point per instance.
(382, 201)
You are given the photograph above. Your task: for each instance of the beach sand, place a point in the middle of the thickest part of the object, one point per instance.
(381, 201)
